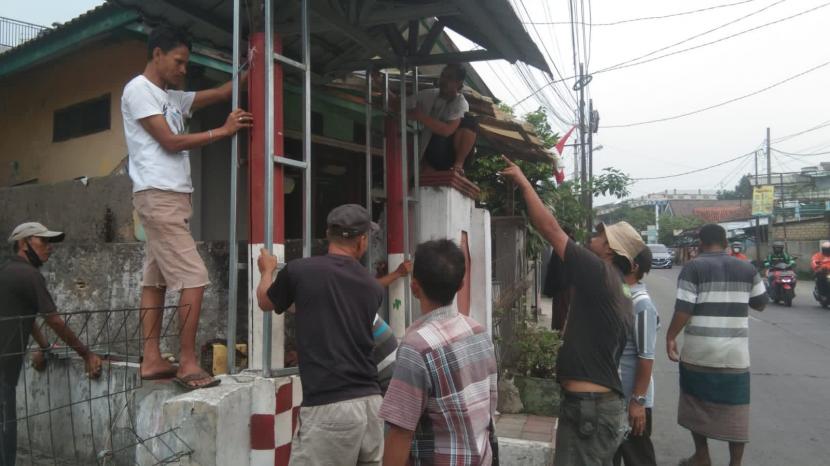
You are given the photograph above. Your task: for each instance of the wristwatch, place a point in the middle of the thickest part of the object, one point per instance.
(639, 399)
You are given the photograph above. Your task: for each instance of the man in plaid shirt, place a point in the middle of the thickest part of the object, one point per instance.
(443, 391)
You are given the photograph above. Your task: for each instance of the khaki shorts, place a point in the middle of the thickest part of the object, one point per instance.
(342, 433)
(171, 260)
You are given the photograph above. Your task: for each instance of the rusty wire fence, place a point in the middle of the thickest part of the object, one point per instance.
(62, 416)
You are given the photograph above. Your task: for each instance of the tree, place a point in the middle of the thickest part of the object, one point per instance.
(496, 195)
(668, 225)
(639, 217)
(743, 190)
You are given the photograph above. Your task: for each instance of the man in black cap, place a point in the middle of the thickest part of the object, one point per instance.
(23, 295)
(336, 300)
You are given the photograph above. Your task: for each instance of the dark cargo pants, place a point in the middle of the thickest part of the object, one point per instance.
(591, 427)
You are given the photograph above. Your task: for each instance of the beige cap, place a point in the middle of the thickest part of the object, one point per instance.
(623, 239)
(25, 230)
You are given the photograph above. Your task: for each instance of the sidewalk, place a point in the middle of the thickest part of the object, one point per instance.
(527, 427)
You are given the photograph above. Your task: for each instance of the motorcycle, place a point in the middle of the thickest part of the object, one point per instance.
(823, 298)
(782, 280)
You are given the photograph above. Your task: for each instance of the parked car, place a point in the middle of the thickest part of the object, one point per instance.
(661, 257)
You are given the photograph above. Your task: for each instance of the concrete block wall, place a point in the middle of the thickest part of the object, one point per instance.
(814, 229)
(446, 213)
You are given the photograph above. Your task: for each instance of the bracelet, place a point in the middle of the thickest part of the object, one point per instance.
(210, 134)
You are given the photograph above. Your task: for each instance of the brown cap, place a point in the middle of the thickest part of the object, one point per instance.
(623, 239)
(349, 220)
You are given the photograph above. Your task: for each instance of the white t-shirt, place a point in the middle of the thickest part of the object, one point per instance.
(431, 103)
(152, 167)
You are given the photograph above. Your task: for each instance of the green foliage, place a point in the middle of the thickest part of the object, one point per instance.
(669, 224)
(538, 348)
(639, 217)
(498, 197)
(743, 190)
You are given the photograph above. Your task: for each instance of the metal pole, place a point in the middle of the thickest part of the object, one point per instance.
(268, 224)
(416, 164)
(583, 175)
(657, 219)
(590, 196)
(769, 161)
(758, 262)
(369, 258)
(405, 187)
(233, 243)
(306, 129)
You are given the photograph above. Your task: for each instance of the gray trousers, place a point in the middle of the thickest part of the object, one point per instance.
(591, 427)
(345, 433)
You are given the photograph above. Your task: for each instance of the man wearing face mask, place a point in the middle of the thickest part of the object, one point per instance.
(735, 251)
(336, 300)
(23, 295)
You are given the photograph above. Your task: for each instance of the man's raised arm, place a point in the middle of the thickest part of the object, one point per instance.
(540, 216)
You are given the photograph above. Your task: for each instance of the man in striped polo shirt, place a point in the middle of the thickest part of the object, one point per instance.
(714, 293)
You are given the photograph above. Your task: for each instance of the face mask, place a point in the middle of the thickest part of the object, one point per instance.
(736, 250)
(825, 251)
(34, 259)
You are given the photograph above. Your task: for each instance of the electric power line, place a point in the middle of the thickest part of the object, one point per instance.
(627, 63)
(800, 155)
(808, 130)
(688, 39)
(721, 104)
(646, 18)
(698, 170)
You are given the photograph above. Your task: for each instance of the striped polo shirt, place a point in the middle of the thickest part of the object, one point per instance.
(716, 289)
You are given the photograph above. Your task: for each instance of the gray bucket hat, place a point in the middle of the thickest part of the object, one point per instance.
(28, 229)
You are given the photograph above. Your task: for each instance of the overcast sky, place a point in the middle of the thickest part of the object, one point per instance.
(663, 88)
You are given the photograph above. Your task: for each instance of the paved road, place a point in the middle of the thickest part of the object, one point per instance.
(790, 355)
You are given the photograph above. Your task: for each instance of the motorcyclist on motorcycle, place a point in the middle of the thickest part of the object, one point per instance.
(777, 256)
(820, 263)
(735, 251)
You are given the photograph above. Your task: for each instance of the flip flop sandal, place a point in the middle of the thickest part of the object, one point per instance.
(184, 382)
(161, 375)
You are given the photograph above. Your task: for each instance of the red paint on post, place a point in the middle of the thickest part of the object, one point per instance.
(256, 162)
(262, 432)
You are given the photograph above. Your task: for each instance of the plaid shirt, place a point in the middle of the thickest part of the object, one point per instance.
(444, 389)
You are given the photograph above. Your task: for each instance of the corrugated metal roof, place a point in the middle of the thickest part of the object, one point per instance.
(348, 34)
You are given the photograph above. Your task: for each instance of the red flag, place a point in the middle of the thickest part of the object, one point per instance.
(560, 146)
(560, 176)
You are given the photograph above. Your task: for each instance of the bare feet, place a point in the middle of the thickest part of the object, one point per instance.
(157, 368)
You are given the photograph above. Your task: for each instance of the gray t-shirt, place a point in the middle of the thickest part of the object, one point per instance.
(641, 341)
(431, 103)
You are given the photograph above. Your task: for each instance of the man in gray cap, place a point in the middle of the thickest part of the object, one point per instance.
(336, 300)
(23, 295)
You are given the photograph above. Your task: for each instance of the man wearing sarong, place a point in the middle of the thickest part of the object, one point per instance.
(714, 293)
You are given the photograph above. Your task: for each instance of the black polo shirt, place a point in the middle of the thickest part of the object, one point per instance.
(23, 294)
(336, 300)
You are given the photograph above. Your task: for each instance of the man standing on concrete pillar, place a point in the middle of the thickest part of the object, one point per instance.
(336, 300)
(155, 110)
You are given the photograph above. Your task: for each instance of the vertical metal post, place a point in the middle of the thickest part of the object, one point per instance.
(385, 177)
(268, 223)
(590, 196)
(233, 243)
(416, 164)
(771, 218)
(405, 187)
(306, 130)
(758, 261)
(583, 173)
(369, 256)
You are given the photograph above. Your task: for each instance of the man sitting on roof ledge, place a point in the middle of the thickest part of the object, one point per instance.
(449, 133)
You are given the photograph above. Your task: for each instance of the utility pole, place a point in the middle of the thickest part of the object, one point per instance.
(769, 182)
(757, 221)
(590, 196)
(583, 175)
